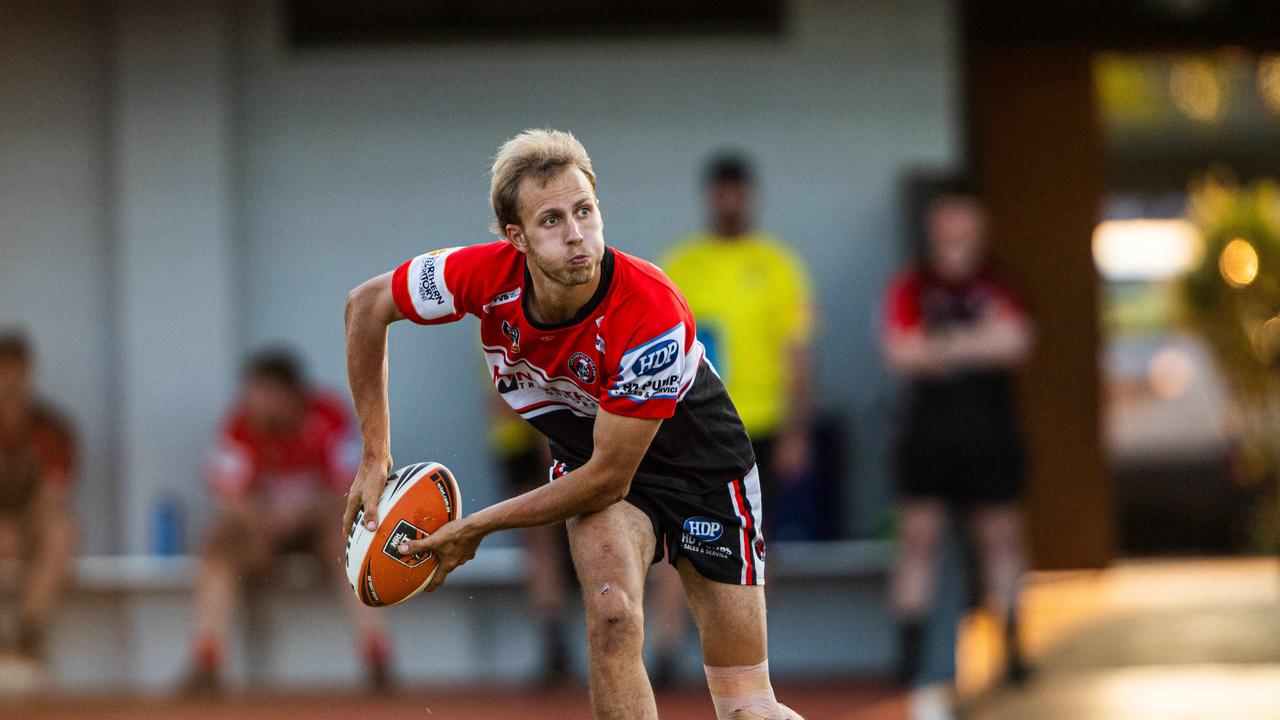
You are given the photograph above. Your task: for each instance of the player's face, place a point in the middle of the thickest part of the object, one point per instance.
(957, 234)
(563, 232)
(730, 205)
(15, 378)
(270, 404)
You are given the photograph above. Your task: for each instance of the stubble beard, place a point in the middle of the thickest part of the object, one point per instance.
(564, 275)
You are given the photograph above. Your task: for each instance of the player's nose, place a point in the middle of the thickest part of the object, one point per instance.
(574, 235)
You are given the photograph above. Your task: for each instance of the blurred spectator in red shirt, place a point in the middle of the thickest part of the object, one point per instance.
(278, 474)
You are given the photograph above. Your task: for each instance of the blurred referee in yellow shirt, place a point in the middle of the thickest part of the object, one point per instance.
(751, 297)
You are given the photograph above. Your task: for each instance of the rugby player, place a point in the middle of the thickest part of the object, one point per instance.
(597, 349)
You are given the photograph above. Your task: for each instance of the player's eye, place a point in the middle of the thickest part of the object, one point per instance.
(584, 211)
(551, 220)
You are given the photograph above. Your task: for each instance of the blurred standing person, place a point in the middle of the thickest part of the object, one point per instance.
(279, 474)
(37, 469)
(956, 332)
(750, 295)
(525, 460)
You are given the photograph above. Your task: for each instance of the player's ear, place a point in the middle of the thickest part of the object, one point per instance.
(515, 236)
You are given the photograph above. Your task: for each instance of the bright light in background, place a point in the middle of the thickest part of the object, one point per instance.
(1196, 89)
(1238, 263)
(1146, 249)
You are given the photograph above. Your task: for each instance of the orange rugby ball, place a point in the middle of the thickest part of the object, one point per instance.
(417, 500)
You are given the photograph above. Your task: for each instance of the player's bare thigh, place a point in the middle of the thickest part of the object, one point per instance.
(612, 550)
(730, 618)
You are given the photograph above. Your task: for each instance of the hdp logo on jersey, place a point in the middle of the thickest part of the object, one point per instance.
(513, 333)
(705, 529)
(656, 358)
(583, 367)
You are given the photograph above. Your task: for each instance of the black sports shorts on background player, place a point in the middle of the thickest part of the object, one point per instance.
(718, 531)
(961, 473)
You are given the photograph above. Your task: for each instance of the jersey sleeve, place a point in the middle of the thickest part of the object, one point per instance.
(440, 286)
(902, 303)
(656, 359)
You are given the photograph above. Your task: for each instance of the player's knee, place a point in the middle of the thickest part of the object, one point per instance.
(615, 622)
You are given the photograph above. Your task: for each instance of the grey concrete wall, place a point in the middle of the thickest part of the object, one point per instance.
(55, 241)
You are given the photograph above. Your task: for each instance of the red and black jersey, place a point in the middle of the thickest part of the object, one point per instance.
(632, 350)
(314, 455)
(970, 406)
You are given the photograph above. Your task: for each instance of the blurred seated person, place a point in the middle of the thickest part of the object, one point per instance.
(37, 469)
(956, 331)
(750, 295)
(278, 477)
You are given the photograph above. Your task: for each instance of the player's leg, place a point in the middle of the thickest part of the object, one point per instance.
(923, 521)
(732, 627)
(49, 540)
(997, 531)
(234, 544)
(548, 589)
(315, 535)
(612, 550)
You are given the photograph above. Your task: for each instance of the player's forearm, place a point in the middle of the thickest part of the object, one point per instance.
(996, 343)
(366, 338)
(914, 356)
(585, 490)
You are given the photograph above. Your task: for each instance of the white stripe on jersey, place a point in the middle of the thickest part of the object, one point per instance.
(531, 392)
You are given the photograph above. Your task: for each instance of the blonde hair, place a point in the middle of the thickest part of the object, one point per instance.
(538, 153)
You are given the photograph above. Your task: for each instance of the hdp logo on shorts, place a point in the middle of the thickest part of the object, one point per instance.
(705, 529)
(656, 358)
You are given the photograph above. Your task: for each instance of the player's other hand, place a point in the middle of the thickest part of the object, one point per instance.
(453, 544)
(366, 490)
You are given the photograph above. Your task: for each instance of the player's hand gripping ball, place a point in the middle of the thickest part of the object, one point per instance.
(417, 500)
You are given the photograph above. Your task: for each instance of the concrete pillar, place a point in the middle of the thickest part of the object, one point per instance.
(172, 199)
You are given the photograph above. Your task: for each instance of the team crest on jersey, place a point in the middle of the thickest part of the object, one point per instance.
(583, 368)
(513, 333)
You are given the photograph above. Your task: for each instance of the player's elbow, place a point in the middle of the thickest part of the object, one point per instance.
(611, 486)
(363, 301)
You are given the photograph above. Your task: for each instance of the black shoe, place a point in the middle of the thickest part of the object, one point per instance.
(379, 678)
(1017, 673)
(201, 683)
(910, 652)
(666, 672)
